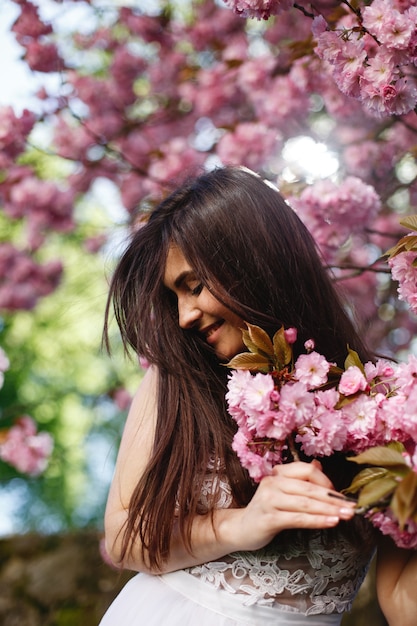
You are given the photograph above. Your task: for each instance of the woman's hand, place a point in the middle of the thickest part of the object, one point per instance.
(296, 495)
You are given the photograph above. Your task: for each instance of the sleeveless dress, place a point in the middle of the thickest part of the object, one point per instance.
(300, 579)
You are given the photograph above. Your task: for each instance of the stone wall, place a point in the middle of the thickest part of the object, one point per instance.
(61, 580)
(57, 580)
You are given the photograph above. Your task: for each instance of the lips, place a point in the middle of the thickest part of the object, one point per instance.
(209, 331)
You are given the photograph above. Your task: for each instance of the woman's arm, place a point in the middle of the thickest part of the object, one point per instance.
(396, 583)
(295, 496)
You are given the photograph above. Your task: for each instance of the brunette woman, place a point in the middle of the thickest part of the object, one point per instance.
(212, 548)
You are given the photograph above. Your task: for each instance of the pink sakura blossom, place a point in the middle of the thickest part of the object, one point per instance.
(212, 24)
(386, 523)
(125, 69)
(397, 98)
(326, 432)
(42, 203)
(407, 421)
(372, 73)
(28, 23)
(14, 131)
(26, 449)
(22, 280)
(249, 399)
(256, 458)
(392, 28)
(257, 393)
(260, 9)
(254, 73)
(406, 374)
(177, 161)
(363, 427)
(43, 57)
(380, 69)
(290, 335)
(309, 345)
(237, 384)
(334, 212)
(248, 145)
(352, 381)
(381, 369)
(403, 270)
(283, 103)
(296, 404)
(312, 369)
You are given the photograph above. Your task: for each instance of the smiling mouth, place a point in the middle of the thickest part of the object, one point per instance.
(210, 330)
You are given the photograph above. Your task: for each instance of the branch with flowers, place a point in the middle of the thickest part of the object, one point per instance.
(366, 411)
(402, 259)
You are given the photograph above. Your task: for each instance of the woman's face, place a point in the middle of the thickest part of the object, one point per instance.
(199, 310)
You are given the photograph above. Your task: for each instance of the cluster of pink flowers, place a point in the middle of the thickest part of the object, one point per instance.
(371, 405)
(21, 445)
(260, 9)
(371, 53)
(403, 269)
(41, 54)
(334, 212)
(22, 280)
(25, 448)
(376, 62)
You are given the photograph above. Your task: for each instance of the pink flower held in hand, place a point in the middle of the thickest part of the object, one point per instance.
(312, 369)
(290, 335)
(352, 381)
(309, 345)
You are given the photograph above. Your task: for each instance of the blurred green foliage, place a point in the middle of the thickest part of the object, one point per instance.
(60, 375)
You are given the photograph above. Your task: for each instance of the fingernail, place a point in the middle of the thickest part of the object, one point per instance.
(345, 512)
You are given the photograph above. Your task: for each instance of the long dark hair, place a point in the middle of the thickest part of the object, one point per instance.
(255, 255)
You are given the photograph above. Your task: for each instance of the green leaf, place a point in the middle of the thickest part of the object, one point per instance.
(381, 455)
(409, 222)
(353, 359)
(377, 490)
(364, 477)
(404, 501)
(249, 361)
(282, 349)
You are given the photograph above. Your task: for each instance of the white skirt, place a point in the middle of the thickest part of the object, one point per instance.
(179, 599)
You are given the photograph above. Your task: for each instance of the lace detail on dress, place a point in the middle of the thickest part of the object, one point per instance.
(311, 575)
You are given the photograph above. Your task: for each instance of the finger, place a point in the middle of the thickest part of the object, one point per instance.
(315, 506)
(293, 494)
(304, 471)
(289, 520)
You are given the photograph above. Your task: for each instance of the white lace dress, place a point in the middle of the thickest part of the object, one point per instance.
(295, 582)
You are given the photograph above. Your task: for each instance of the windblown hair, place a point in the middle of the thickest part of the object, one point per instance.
(254, 254)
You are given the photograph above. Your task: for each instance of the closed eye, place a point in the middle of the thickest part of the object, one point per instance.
(197, 290)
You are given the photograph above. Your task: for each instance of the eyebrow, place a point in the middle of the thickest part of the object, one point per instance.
(182, 277)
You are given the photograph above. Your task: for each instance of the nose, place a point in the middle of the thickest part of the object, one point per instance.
(188, 314)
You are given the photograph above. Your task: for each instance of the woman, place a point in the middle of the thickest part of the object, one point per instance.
(212, 548)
